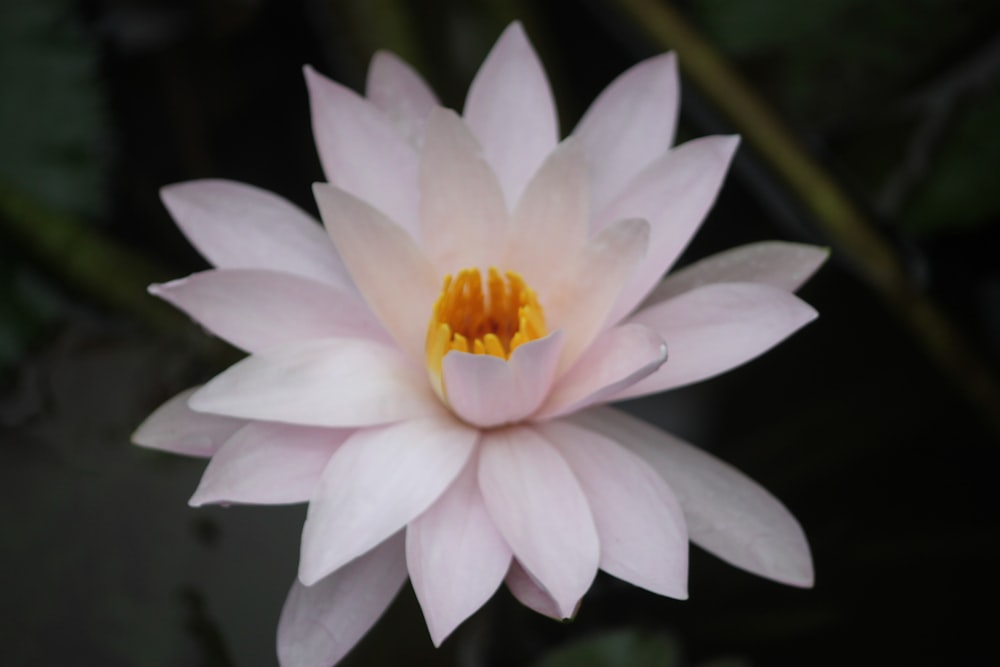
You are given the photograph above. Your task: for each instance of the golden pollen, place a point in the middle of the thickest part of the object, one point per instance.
(495, 320)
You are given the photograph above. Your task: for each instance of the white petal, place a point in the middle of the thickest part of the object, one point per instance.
(531, 594)
(174, 427)
(401, 94)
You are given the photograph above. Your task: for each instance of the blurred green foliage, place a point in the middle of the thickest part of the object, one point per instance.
(621, 648)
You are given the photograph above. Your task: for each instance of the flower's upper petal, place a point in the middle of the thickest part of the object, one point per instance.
(585, 291)
(511, 111)
(389, 269)
(777, 263)
(456, 557)
(321, 623)
(362, 152)
(238, 226)
(488, 391)
(267, 463)
(540, 509)
(551, 219)
(727, 513)
(376, 483)
(401, 94)
(674, 194)
(715, 328)
(630, 124)
(255, 309)
(639, 521)
(461, 205)
(335, 382)
(619, 357)
(531, 594)
(174, 427)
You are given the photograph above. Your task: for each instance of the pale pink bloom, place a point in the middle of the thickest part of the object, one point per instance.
(460, 470)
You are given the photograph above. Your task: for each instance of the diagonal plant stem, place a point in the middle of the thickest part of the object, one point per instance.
(873, 259)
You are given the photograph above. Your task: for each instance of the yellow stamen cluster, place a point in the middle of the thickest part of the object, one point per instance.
(495, 320)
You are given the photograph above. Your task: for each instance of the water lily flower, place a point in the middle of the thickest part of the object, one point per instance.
(431, 373)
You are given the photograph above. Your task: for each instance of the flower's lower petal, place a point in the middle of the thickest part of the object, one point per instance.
(674, 194)
(630, 124)
(238, 226)
(255, 309)
(537, 504)
(456, 557)
(639, 521)
(362, 152)
(377, 482)
(401, 94)
(488, 391)
(619, 357)
(174, 427)
(531, 594)
(267, 463)
(335, 382)
(715, 328)
(387, 266)
(516, 137)
(320, 623)
(776, 263)
(727, 513)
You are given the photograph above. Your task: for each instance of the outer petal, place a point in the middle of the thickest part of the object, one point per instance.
(336, 382)
(618, 358)
(389, 269)
(461, 205)
(174, 427)
(511, 111)
(639, 522)
(268, 464)
(488, 391)
(541, 511)
(362, 151)
(776, 263)
(377, 482)
(401, 94)
(238, 226)
(630, 124)
(715, 328)
(456, 557)
(321, 623)
(255, 309)
(529, 593)
(674, 194)
(727, 513)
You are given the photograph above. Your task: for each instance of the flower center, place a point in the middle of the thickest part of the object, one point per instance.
(494, 320)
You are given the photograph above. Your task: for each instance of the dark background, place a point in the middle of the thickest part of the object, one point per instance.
(872, 442)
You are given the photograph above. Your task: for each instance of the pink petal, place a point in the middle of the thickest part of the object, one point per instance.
(255, 309)
(630, 124)
(238, 226)
(713, 329)
(585, 291)
(551, 220)
(727, 513)
(540, 509)
(335, 382)
(389, 269)
(618, 358)
(674, 194)
(401, 94)
(320, 624)
(174, 427)
(777, 263)
(456, 557)
(487, 391)
(529, 593)
(511, 111)
(377, 482)
(362, 151)
(461, 205)
(639, 521)
(266, 463)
